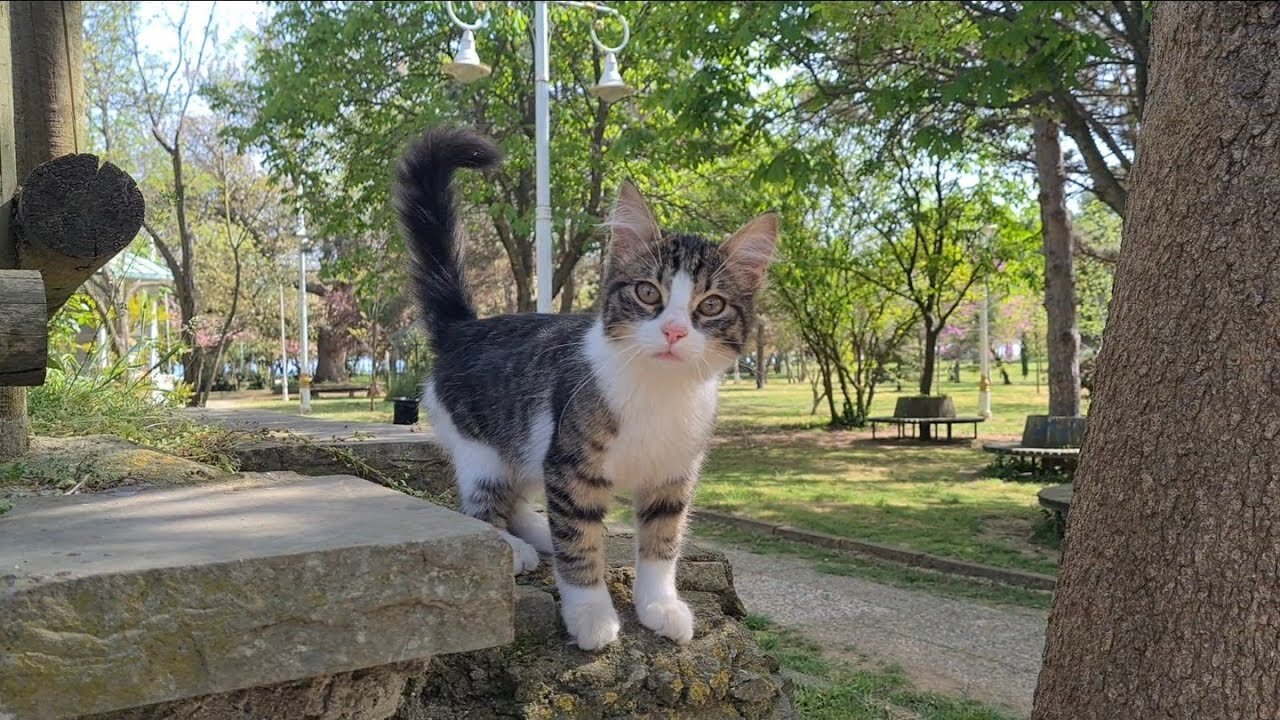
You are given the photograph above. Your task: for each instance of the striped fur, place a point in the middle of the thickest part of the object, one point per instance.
(576, 408)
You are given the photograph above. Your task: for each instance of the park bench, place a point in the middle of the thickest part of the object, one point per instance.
(917, 423)
(922, 414)
(1044, 456)
(349, 389)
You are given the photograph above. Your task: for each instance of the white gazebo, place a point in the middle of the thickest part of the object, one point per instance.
(125, 276)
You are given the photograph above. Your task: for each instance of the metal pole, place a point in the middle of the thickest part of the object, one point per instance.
(542, 140)
(304, 364)
(984, 354)
(155, 335)
(284, 353)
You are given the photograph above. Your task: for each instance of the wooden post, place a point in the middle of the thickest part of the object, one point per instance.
(41, 118)
(24, 328)
(14, 430)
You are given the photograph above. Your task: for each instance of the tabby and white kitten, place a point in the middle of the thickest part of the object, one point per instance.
(582, 406)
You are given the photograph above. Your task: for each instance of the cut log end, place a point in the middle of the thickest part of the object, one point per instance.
(73, 215)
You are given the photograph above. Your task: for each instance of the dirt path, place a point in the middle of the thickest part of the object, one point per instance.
(946, 645)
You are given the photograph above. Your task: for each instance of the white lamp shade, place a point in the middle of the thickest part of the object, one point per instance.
(466, 66)
(610, 87)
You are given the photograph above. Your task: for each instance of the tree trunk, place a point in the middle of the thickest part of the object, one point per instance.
(567, 292)
(1165, 606)
(331, 357)
(1059, 272)
(929, 365)
(761, 369)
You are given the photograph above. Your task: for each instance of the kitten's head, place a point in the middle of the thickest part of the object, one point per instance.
(680, 301)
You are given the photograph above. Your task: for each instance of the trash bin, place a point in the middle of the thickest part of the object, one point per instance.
(406, 410)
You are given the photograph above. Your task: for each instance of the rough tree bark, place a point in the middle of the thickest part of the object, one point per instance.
(928, 367)
(1166, 605)
(1059, 271)
(331, 357)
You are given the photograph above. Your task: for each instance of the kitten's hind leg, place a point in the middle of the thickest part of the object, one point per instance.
(660, 522)
(489, 494)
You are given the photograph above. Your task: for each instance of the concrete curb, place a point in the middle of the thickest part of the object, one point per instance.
(902, 556)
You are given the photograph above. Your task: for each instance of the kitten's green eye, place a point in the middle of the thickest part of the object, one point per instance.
(711, 306)
(648, 293)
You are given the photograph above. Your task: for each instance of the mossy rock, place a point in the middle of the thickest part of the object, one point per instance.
(721, 674)
(95, 463)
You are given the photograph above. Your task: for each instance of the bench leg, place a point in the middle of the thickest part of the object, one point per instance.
(948, 432)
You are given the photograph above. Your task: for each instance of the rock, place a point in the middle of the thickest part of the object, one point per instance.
(722, 673)
(537, 617)
(373, 694)
(125, 599)
(56, 465)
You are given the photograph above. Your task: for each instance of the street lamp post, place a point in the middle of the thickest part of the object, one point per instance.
(984, 354)
(304, 352)
(466, 67)
(284, 353)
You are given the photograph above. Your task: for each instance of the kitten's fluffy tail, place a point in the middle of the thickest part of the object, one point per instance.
(424, 201)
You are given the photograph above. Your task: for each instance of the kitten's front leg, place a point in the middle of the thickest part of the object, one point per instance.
(577, 502)
(661, 511)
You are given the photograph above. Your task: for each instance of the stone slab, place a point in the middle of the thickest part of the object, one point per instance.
(124, 599)
(318, 446)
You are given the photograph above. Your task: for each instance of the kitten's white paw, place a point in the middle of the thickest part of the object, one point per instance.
(589, 616)
(533, 528)
(668, 616)
(523, 555)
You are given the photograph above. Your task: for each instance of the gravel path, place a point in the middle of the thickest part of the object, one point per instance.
(946, 645)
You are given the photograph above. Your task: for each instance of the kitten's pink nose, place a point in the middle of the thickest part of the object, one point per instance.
(674, 331)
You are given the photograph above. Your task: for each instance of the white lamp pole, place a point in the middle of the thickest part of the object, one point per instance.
(542, 157)
(284, 353)
(466, 67)
(984, 352)
(304, 352)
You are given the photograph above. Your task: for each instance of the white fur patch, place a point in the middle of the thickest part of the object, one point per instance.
(588, 614)
(658, 605)
(474, 461)
(665, 412)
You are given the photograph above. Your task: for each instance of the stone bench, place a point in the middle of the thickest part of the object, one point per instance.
(1057, 500)
(115, 601)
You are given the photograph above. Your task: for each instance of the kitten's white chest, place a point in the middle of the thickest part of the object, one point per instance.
(662, 433)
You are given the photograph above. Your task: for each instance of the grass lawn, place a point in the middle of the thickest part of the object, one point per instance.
(343, 409)
(930, 497)
(787, 406)
(773, 460)
(834, 691)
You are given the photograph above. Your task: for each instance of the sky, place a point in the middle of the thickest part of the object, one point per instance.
(229, 19)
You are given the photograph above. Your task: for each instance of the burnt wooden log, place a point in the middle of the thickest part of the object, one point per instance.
(73, 215)
(23, 328)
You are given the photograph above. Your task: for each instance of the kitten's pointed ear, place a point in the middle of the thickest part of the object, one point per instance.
(750, 251)
(632, 226)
